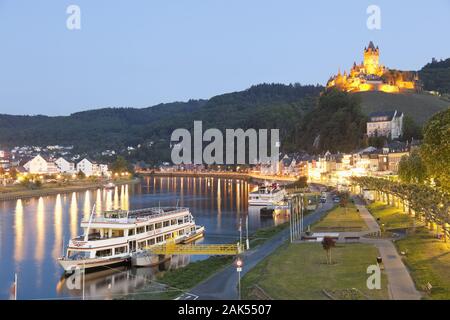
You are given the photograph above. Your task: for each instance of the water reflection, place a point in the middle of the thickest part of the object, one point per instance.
(33, 231)
(58, 225)
(73, 216)
(40, 230)
(19, 232)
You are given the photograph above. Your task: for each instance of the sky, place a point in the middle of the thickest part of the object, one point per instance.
(143, 52)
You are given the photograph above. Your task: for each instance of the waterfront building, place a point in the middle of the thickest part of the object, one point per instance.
(90, 168)
(40, 165)
(65, 166)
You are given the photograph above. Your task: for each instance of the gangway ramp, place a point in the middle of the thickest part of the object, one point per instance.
(195, 249)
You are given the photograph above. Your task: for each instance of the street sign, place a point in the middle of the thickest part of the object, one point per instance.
(238, 269)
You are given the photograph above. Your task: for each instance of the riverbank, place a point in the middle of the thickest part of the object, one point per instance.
(224, 175)
(173, 283)
(20, 192)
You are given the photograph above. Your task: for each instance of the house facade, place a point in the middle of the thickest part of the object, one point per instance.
(90, 168)
(65, 166)
(386, 123)
(40, 165)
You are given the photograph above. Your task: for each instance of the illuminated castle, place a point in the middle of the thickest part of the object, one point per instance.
(370, 75)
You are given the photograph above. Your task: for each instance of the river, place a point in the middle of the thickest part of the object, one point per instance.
(33, 231)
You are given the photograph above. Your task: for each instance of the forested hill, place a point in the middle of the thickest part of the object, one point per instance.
(261, 106)
(436, 76)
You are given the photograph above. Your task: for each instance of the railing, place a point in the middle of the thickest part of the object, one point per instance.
(137, 219)
(195, 249)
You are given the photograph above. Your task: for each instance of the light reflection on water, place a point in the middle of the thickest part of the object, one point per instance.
(32, 231)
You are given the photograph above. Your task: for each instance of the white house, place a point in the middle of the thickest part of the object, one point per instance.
(386, 123)
(39, 165)
(90, 168)
(65, 166)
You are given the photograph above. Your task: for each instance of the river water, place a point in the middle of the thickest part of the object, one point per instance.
(33, 231)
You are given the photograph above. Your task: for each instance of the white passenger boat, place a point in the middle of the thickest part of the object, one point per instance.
(266, 196)
(113, 237)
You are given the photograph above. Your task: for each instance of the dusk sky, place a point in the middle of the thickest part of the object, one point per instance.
(143, 52)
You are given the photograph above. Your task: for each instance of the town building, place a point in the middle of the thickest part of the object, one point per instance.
(90, 168)
(65, 166)
(385, 123)
(40, 165)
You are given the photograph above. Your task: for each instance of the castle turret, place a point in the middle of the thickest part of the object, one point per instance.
(371, 59)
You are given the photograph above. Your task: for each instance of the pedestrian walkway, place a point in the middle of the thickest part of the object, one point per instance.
(401, 286)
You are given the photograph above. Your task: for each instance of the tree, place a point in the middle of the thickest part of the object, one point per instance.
(328, 243)
(81, 175)
(121, 165)
(411, 130)
(435, 150)
(301, 182)
(343, 202)
(412, 168)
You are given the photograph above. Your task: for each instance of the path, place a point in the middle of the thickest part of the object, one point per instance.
(401, 286)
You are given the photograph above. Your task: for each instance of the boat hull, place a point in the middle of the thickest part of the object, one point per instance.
(71, 266)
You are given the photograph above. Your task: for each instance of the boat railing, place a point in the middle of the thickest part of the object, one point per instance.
(133, 216)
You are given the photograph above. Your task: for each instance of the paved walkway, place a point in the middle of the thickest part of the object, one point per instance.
(400, 283)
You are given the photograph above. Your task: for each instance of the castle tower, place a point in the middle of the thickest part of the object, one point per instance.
(371, 59)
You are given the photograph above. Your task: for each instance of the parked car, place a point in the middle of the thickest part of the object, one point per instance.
(336, 199)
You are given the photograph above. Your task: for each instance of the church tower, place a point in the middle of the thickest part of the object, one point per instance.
(371, 59)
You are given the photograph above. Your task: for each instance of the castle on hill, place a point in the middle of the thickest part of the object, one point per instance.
(370, 75)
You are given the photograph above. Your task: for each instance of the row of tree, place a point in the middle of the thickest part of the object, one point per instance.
(428, 203)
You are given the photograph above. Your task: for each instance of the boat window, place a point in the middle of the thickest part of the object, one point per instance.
(151, 241)
(167, 236)
(131, 232)
(173, 222)
(166, 223)
(181, 232)
(73, 254)
(120, 250)
(159, 239)
(150, 227)
(158, 225)
(180, 220)
(117, 233)
(140, 230)
(141, 244)
(103, 253)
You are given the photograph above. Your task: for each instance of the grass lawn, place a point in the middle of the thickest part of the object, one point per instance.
(261, 235)
(196, 272)
(393, 218)
(299, 271)
(428, 260)
(340, 220)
